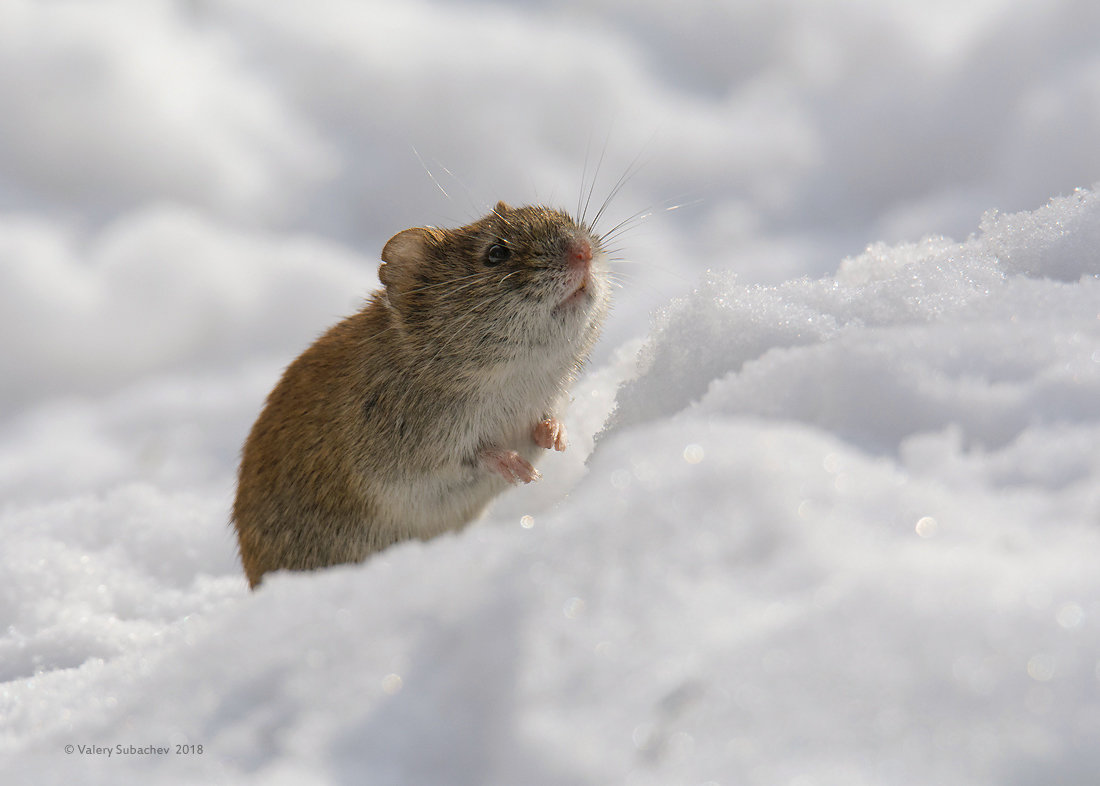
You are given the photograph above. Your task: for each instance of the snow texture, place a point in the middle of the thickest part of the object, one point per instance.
(830, 512)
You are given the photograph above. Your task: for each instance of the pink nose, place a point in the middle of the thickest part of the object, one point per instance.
(579, 253)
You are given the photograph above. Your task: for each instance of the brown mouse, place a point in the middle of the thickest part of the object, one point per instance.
(406, 419)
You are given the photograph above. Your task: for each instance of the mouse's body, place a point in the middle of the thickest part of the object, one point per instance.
(405, 420)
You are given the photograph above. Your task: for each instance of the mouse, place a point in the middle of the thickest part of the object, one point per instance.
(406, 419)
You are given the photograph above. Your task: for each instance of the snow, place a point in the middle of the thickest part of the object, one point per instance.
(829, 513)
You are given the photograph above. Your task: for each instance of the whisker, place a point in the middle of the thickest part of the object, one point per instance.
(641, 216)
(469, 193)
(692, 203)
(595, 176)
(421, 160)
(584, 174)
(632, 169)
(622, 181)
(626, 224)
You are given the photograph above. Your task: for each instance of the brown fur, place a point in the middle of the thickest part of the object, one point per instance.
(394, 423)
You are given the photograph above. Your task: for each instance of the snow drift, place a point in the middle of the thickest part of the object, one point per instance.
(839, 530)
(828, 517)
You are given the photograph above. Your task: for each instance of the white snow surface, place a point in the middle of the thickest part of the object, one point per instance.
(829, 516)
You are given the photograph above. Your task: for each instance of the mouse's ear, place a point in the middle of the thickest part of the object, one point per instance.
(501, 208)
(404, 250)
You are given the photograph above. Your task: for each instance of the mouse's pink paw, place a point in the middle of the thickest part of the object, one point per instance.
(550, 433)
(509, 465)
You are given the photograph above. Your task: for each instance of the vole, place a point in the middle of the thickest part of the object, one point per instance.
(406, 419)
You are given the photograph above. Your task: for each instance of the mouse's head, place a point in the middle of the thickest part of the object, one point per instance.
(525, 277)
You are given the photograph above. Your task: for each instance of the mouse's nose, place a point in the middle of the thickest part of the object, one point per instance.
(579, 253)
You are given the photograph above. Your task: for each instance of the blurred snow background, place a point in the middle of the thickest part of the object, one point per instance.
(842, 526)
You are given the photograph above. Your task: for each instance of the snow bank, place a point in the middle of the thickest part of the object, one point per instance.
(982, 350)
(838, 531)
(840, 528)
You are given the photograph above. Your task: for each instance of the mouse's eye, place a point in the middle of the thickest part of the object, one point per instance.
(497, 253)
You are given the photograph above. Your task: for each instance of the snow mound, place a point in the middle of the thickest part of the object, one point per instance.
(837, 531)
(988, 336)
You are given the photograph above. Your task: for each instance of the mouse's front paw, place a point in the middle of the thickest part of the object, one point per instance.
(509, 465)
(550, 433)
